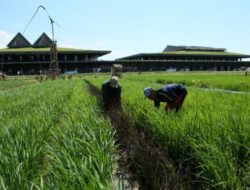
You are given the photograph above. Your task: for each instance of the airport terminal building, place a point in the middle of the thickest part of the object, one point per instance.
(22, 57)
(187, 58)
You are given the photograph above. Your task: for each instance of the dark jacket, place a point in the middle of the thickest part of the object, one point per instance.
(169, 93)
(111, 94)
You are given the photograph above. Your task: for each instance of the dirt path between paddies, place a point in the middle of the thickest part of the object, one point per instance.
(144, 164)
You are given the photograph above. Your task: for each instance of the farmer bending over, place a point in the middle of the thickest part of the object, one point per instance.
(172, 94)
(111, 93)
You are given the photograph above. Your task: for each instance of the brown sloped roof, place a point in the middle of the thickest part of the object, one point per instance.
(186, 54)
(19, 41)
(170, 48)
(42, 41)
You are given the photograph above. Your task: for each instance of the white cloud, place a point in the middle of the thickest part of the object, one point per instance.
(5, 38)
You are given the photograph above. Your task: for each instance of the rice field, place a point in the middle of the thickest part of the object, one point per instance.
(54, 134)
(12, 84)
(235, 81)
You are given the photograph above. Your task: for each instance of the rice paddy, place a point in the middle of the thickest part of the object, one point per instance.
(55, 135)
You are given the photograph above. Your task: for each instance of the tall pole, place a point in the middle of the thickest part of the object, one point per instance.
(2, 63)
(2, 74)
(52, 28)
(53, 70)
(53, 54)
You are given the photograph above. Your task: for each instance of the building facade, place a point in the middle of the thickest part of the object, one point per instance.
(187, 58)
(22, 57)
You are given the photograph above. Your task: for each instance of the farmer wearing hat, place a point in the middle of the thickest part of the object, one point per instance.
(111, 93)
(172, 94)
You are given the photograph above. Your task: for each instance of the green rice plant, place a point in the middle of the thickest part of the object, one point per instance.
(210, 136)
(10, 84)
(221, 80)
(210, 123)
(24, 130)
(83, 148)
(52, 138)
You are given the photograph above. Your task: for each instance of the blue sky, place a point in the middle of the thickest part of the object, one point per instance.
(132, 26)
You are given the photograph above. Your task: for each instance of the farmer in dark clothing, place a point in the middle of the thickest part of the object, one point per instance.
(172, 94)
(111, 93)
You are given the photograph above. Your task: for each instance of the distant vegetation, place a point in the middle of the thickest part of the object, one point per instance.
(235, 81)
(10, 84)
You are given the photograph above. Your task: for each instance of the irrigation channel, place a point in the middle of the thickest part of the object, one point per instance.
(143, 163)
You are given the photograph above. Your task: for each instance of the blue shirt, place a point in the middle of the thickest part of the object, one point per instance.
(169, 93)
